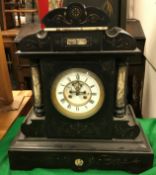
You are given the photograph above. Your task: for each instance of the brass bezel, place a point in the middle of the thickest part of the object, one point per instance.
(72, 115)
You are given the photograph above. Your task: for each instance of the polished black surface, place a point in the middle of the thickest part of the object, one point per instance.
(76, 14)
(111, 39)
(133, 155)
(103, 141)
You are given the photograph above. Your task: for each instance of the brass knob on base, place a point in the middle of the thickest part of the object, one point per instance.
(79, 162)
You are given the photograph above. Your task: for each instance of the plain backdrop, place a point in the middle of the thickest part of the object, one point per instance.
(145, 11)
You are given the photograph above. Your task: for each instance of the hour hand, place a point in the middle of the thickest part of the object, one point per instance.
(74, 92)
(77, 92)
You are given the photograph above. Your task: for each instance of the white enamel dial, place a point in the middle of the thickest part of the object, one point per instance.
(77, 93)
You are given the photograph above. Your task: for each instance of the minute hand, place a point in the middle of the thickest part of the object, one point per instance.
(77, 92)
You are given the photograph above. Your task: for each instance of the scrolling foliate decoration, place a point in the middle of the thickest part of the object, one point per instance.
(76, 14)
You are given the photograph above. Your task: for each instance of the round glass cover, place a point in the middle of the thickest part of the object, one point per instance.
(77, 93)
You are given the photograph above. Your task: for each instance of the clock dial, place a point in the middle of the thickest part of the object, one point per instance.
(77, 93)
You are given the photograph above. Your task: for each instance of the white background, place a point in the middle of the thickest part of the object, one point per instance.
(145, 11)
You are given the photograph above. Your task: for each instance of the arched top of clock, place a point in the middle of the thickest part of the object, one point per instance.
(76, 14)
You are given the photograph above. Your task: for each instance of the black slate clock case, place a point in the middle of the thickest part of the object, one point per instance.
(69, 128)
(74, 38)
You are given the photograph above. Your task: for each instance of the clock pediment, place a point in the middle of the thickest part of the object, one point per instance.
(76, 14)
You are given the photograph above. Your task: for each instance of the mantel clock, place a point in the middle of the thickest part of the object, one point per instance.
(81, 118)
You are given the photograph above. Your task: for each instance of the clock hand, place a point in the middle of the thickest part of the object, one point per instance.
(79, 93)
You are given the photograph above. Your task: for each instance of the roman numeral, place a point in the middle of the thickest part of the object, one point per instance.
(60, 93)
(86, 80)
(94, 94)
(69, 106)
(69, 79)
(77, 77)
(77, 108)
(92, 86)
(91, 101)
(62, 100)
